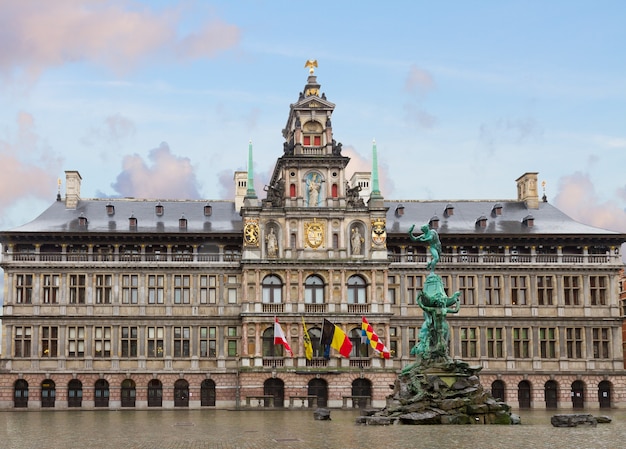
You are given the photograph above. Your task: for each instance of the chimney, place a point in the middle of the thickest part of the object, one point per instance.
(527, 190)
(72, 188)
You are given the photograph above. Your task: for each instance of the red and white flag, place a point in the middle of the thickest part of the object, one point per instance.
(279, 337)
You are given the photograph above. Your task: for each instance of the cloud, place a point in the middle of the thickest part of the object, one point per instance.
(360, 164)
(168, 176)
(419, 83)
(114, 129)
(578, 199)
(516, 131)
(35, 35)
(29, 167)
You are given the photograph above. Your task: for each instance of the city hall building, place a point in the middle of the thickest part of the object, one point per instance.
(156, 302)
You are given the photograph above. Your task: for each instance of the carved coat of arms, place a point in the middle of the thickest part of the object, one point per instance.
(314, 234)
(379, 232)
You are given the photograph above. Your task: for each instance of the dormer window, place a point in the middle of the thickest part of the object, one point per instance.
(448, 211)
(434, 222)
(481, 222)
(158, 209)
(132, 222)
(110, 209)
(497, 209)
(82, 221)
(528, 221)
(399, 210)
(182, 222)
(208, 210)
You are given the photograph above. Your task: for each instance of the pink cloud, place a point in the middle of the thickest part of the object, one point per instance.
(167, 177)
(578, 199)
(116, 34)
(29, 168)
(359, 163)
(419, 80)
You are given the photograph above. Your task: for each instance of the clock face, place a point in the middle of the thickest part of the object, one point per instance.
(251, 234)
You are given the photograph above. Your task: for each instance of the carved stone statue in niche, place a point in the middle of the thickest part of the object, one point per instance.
(314, 185)
(356, 241)
(271, 243)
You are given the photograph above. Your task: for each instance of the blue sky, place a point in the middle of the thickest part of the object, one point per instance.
(160, 98)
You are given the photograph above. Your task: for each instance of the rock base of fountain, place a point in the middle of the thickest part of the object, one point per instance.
(440, 392)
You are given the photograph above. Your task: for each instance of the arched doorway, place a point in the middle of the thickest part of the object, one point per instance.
(74, 393)
(101, 393)
(578, 394)
(207, 393)
(129, 393)
(155, 393)
(276, 388)
(362, 388)
(48, 393)
(318, 388)
(523, 394)
(20, 394)
(551, 393)
(498, 390)
(604, 394)
(181, 393)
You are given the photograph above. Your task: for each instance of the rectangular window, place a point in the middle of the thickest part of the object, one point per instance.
(545, 290)
(49, 341)
(51, 283)
(104, 285)
(181, 341)
(129, 341)
(77, 288)
(232, 296)
(469, 342)
(519, 290)
(182, 289)
(571, 290)
(156, 288)
(393, 341)
(155, 342)
(493, 290)
(306, 140)
(102, 341)
(208, 289)
(232, 342)
(24, 288)
(574, 342)
(130, 289)
(601, 342)
(495, 342)
(317, 140)
(414, 285)
(547, 342)
(413, 337)
(208, 342)
(22, 341)
(521, 342)
(467, 287)
(598, 290)
(76, 341)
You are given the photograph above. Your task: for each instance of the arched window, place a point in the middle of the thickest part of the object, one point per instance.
(357, 292)
(128, 393)
(604, 394)
(578, 394)
(269, 348)
(314, 290)
(20, 394)
(207, 393)
(358, 349)
(272, 290)
(48, 393)
(155, 393)
(101, 391)
(74, 393)
(181, 393)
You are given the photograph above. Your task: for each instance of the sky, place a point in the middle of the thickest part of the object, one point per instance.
(159, 99)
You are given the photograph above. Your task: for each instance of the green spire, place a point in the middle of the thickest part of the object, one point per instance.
(250, 193)
(375, 189)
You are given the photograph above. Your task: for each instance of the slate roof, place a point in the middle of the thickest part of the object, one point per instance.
(57, 219)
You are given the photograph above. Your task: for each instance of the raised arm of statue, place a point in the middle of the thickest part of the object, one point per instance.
(431, 237)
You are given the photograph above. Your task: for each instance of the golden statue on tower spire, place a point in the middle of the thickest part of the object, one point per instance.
(311, 64)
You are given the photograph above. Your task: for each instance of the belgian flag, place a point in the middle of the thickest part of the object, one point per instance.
(334, 337)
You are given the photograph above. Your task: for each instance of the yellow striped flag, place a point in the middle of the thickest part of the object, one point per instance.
(308, 346)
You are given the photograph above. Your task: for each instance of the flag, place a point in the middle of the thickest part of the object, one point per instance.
(334, 337)
(367, 331)
(279, 337)
(308, 346)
